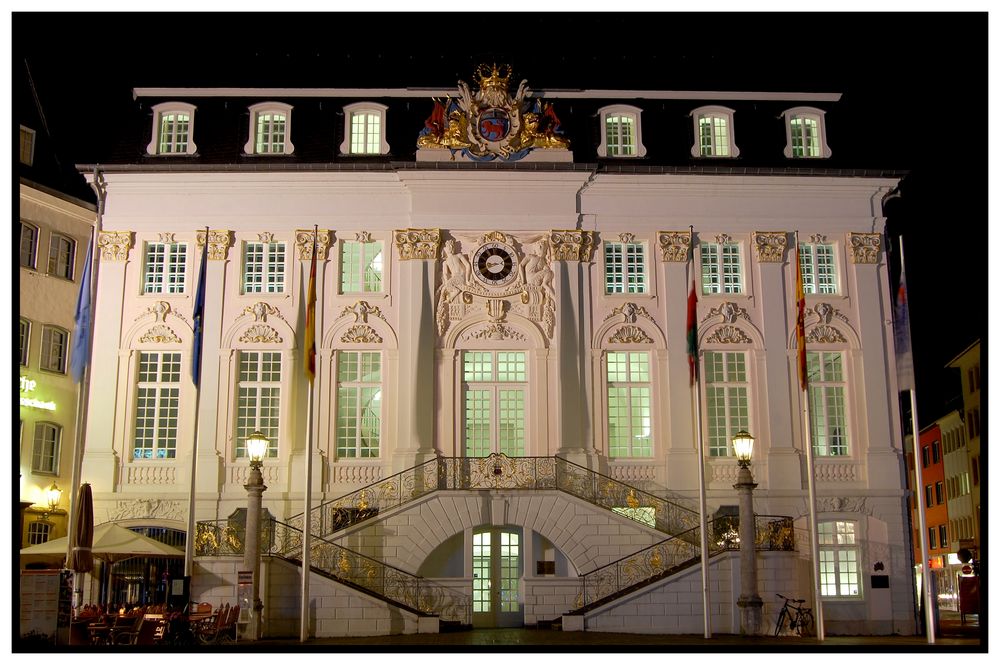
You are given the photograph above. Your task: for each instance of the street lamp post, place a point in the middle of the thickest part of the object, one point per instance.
(749, 602)
(257, 445)
(52, 497)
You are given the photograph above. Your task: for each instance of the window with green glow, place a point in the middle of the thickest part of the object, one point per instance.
(839, 559)
(259, 399)
(359, 403)
(620, 135)
(625, 267)
(270, 133)
(819, 273)
(264, 267)
(727, 400)
(826, 402)
(630, 429)
(721, 270)
(494, 402)
(157, 405)
(361, 267)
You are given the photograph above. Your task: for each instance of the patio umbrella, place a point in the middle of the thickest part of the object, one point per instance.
(83, 533)
(111, 543)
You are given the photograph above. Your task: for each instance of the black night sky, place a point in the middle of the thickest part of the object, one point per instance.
(921, 79)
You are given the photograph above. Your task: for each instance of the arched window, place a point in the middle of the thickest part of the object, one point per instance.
(173, 129)
(621, 132)
(805, 133)
(714, 133)
(270, 129)
(364, 129)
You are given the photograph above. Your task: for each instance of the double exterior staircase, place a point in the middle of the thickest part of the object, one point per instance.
(678, 551)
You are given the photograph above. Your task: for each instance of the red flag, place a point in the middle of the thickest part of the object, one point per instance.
(310, 340)
(800, 320)
(692, 331)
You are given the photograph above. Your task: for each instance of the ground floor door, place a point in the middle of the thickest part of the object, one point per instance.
(497, 571)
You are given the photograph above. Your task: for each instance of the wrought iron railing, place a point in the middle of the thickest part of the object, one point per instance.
(498, 471)
(342, 564)
(677, 552)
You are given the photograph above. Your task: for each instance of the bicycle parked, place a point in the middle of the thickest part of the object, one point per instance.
(798, 618)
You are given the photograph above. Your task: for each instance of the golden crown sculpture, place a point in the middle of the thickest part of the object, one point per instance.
(490, 77)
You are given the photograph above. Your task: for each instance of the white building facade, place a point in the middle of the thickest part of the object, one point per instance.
(501, 319)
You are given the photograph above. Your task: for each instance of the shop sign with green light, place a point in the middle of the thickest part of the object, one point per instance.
(28, 386)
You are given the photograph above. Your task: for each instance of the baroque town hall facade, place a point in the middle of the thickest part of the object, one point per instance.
(503, 414)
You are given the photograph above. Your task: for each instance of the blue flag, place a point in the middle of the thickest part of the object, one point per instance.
(81, 333)
(901, 330)
(199, 316)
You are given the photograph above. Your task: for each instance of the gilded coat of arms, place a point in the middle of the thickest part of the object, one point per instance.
(490, 123)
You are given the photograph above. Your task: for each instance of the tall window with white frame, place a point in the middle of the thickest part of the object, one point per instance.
(359, 404)
(839, 559)
(24, 334)
(721, 267)
(805, 136)
(727, 397)
(62, 251)
(819, 267)
(174, 133)
(55, 346)
(264, 267)
(29, 241)
(630, 425)
(45, 450)
(270, 133)
(361, 266)
(157, 405)
(365, 132)
(165, 267)
(625, 267)
(826, 402)
(620, 133)
(495, 402)
(713, 135)
(258, 399)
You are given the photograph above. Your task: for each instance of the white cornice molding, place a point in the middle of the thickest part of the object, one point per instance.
(375, 93)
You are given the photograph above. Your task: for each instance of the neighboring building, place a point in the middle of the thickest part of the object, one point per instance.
(969, 481)
(502, 397)
(56, 225)
(930, 456)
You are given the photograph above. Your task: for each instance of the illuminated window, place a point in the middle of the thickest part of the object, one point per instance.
(27, 148)
(621, 133)
(38, 532)
(62, 251)
(29, 241)
(359, 403)
(364, 129)
(173, 129)
(826, 400)
(24, 333)
(805, 133)
(55, 346)
(727, 396)
(264, 267)
(943, 535)
(721, 270)
(270, 129)
(625, 267)
(819, 272)
(157, 405)
(839, 559)
(713, 130)
(259, 399)
(630, 426)
(495, 402)
(45, 451)
(361, 267)
(165, 267)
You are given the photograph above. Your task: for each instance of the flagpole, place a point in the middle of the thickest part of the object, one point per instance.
(695, 377)
(917, 480)
(807, 433)
(83, 390)
(196, 351)
(310, 360)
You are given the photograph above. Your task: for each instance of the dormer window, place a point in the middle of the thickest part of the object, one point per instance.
(805, 133)
(713, 130)
(364, 129)
(173, 129)
(270, 129)
(622, 132)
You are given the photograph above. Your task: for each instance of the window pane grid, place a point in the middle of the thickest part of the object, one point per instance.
(620, 135)
(495, 411)
(629, 404)
(165, 267)
(365, 133)
(45, 451)
(818, 268)
(728, 399)
(713, 134)
(359, 403)
(270, 133)
(361, 267)
(29, 236)
(840, 571)
(174, 129)
(258, 399)
(157, 406)
(624, 267)
(61, 256)
(264, 267)
(54, 347)
(826, 398)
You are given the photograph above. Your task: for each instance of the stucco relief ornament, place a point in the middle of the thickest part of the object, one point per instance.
(361, 311)
(864, 247)
(114, 245)
(361, 334)
(146, 508)
(265, 236)
(496, 332)
(417, 243)
(159, 334)
(261, 334)
(572, 245)
(261, 310)
(729, 311)
(825, 334)
(630, 313)
(490, 123)
(770, 245)
(158, 309)
(630, 335)
(729, 335)
(304, 243)
(675, 245)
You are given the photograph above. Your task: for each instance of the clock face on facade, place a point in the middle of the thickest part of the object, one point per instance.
(495, 264)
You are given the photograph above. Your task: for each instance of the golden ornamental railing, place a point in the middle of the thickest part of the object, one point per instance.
(497, 471)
